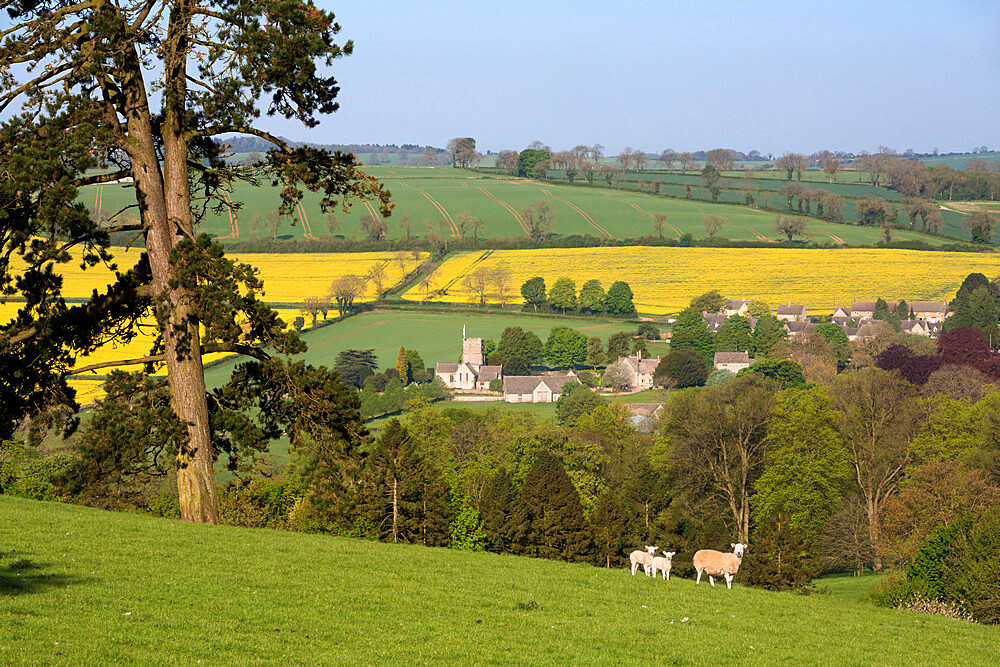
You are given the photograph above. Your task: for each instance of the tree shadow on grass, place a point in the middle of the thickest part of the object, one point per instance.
(22, 575)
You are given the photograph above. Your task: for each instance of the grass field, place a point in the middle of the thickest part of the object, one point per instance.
(81, 586)
(428, 199)
(437, 336)
(664, 279)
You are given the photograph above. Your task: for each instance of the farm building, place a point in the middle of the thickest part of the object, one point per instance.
(535, 388)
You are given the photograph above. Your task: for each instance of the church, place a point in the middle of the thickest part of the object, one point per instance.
(472, 372)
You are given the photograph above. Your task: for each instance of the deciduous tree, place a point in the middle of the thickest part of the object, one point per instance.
(533, 291)
(563, 294)
(876, 417)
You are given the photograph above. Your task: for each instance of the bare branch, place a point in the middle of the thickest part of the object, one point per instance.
(103, 178)
(122, 362)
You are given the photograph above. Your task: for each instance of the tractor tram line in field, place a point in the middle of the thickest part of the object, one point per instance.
(444, 214)
(462, 274)
(639, 208)
(510, 209)
(586, 216)
(307, 230)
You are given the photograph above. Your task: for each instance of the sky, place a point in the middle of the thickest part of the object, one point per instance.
(773, 76)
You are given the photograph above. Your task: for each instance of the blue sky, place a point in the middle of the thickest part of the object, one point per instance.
(775, 76)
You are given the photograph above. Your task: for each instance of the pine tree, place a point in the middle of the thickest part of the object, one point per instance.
(553, 512)
(499, 510)
(766, 335)
(405, 497)
(97, 111)
(881, 311)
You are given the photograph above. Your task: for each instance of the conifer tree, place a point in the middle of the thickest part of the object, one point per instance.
(404, 495)
(553, 513)
(691, 333)
(499, 510)
(403, 366)
(140, 89)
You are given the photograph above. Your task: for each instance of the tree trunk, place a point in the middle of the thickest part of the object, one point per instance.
(181, 330)
(873, 537)
(395, 509)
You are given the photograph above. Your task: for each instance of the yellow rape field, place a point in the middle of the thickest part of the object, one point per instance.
(288, 278)
(664, 280)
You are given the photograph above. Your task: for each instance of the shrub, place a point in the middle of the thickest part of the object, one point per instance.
(953, 572)
(496, 385)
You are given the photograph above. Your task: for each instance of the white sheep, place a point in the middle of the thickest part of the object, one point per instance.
(644, 558)
(716, 563)
(662, 563)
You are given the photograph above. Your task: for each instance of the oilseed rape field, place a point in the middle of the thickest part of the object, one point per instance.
(288, 279)
(665, 279)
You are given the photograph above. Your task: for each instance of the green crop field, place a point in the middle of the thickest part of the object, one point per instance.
(959, 161)
(83, 586)
(429, 199)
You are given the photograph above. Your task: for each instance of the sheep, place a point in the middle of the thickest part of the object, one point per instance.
(716, 563)
(644, 558)
(662, 564)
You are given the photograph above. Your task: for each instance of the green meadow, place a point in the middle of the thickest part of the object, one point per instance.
(437, 336)
(83, 586)
(425, 197)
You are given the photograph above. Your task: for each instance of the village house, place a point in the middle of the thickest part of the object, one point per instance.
(471, 373)
(535, 388)
(796, 328)
(732, 361)
(930, 311)
(714, 320)
(864, 310)
(792, 313)
(644, 415)
(736, 307)
(642, 370)
(914, 327)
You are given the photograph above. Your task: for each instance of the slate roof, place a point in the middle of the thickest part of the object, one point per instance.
(714, 320)
(642, 366)
(643, 409)
(736, 304)
(799, 327)
(446, 368)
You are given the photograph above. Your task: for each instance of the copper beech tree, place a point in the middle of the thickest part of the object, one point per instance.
(105, 90)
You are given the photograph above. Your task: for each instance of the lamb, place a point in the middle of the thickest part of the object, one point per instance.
(644, 558)
(662, 564)
(716, 563)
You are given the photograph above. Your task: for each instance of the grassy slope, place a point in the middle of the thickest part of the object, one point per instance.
(459, 190)
(80, 586)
